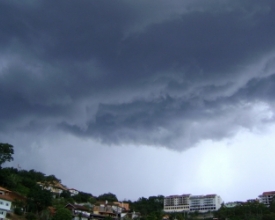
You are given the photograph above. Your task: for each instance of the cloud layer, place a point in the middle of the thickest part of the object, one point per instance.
(138, 73)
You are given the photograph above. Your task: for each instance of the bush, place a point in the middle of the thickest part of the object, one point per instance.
(18, 211)
(30, 216)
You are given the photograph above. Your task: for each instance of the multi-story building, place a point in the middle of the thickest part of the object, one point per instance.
(189, 203)
(176, 203)
(211, 202)
(267, 197)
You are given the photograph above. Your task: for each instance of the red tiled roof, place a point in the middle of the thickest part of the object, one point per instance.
(6, 197)
(269, 193)
(3, 189)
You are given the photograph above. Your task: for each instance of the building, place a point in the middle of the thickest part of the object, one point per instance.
(5, 202)
(123, 205)
(266, 197)
(233, 204)
(190, 203)
(79, 211)
(211, 202)
(73, 192)
(177, 203)
(55, 187)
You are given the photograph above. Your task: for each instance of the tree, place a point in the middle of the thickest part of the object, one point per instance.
(62, 214)
(6, 152)
(39, 199)
(110, 197)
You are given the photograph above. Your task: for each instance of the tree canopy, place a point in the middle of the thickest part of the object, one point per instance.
(62, 214)
(110, 197)
(6, 152)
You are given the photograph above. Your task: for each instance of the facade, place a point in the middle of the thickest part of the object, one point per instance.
(54, 187)
(266, 197)
(73, 192)
(177, 203)
(190, 203)
(5, 202)
(232, 204)
(123, 205)
(211, 202)
(79, 212)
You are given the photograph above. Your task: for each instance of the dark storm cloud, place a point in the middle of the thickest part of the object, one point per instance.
(88, 67)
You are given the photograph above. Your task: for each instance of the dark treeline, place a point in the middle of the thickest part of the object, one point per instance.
(151, 208)
(253, 210)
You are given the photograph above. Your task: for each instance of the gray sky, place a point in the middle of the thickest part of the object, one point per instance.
(141, 98)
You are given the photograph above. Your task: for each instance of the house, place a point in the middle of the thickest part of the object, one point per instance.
(5, 202)
(73, 192)
(130, 215)
(7, 198)
(79, 211)
(107, 210)
(55, 187)
(123, 205)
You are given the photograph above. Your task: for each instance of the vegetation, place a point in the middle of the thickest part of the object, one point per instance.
(252, 210)
(110, 197)
(151, 208)
(6, 152)
(62, 214)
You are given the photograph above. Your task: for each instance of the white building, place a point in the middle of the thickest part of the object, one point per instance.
(189, 203)
(55, 187)
(5, 203)
(211, 202)
(73, 192)
(177, 203)
(267, 197)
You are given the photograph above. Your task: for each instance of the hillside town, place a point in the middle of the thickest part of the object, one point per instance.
(204, 206)
(32, 195)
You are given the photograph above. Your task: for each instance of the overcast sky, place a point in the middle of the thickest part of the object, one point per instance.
(141, 98)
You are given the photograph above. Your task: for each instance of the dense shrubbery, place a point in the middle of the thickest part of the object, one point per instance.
(247, 211)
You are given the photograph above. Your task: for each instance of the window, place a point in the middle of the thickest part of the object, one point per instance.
(7, 204)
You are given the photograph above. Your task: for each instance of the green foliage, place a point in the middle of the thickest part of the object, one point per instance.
(18, 211)
(110, 197)
(149, 208)
(272, 205)
(65, 194)
(62, 214)
(82, 197)
(6, 152)
(270, 216)
(30, 216)
(248, 210)
(39, 199)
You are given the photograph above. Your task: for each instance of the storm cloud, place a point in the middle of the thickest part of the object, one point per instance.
(132, 72)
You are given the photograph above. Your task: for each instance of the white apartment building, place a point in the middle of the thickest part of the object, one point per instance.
(189, 203)
(266, 197)
(211, 202)
(177, 203)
